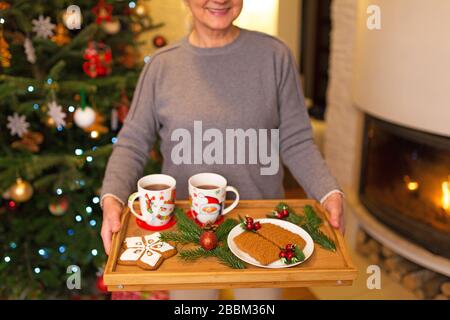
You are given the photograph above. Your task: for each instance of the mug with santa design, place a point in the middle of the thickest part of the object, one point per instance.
(156, 193)
(207, 193)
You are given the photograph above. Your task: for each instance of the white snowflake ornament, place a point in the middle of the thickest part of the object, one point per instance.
(29, 51)
(17, 125)
(43, 27)
(56, 113)
(147, 252)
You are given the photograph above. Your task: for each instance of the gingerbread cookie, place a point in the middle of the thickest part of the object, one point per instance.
(147, 252)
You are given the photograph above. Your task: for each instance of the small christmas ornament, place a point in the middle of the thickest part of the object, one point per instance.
(73, 18)
(4, 5)
(5, 54)
(208, 240)
(140, 10)
(61, 37)
(130, 57)
(29, 51)
(159, 41)
(97, 127)
(100, 284)
(59, 207)
(21, 191)
(17, 125)
(291, 254)
(249, 224)
(84, 116)
(102, 11)
(30, 141)
(55, 112)
(43, 27)
(98, 58)
(280, 213)
(111, 27)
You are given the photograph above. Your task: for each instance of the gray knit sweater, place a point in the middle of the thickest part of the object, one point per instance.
(250, 84)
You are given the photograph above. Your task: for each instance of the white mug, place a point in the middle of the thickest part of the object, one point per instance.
(207, 193)
(156, 205)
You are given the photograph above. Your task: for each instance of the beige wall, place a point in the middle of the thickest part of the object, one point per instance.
(175, 16)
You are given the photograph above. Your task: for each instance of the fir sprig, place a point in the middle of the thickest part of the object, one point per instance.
(185, 224)
(222, 253)
(224, 229)
(195, 254)
(190, 232)
(311, 222)
(180, 237)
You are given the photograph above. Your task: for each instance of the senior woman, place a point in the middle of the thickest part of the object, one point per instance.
(228, 78)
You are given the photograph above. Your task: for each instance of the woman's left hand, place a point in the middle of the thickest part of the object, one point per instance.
(334, 204)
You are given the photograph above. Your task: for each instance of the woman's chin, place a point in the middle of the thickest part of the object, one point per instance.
(219, 24)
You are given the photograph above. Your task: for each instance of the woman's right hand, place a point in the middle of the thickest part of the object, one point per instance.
(112, 209)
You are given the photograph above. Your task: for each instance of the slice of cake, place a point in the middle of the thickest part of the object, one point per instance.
(264, 251)
(280, 236)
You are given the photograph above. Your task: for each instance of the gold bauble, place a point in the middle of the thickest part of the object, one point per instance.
(21, 191)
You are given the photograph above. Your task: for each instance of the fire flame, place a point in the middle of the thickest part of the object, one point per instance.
(446, 196)
(412, 186)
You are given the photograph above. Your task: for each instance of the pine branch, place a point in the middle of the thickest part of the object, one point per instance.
(185, 224)
(225, 228)
(180, 237)
(227, 258)
(311, 222)
(223, 254)
(194, 254)
(320, 238)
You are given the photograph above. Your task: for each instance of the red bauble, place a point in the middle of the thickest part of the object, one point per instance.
(284, 212)
(102, 11)
(257, 225)
(98, 59)
(208, 240)
(101, 284)
(159, 41)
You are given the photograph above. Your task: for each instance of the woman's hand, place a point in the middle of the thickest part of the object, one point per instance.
(112, 209)
(334, 204)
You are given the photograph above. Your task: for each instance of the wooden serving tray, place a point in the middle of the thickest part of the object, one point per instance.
(323, 268)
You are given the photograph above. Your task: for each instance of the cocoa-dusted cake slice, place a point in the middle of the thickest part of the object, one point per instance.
(257, 247)
(280, 236)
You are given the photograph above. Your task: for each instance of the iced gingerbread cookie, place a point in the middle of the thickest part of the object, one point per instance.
(147, 252)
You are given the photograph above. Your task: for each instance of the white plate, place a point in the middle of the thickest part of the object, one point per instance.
(307, 250)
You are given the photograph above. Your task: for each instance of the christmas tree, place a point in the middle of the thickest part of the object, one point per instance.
(67, 76)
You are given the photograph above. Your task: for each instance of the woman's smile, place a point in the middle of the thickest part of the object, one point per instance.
(218, 12)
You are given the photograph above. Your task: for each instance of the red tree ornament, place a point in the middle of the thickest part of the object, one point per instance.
(208, 240)
(101, 284)
(159, 41)
(98, 58)
(102, 11)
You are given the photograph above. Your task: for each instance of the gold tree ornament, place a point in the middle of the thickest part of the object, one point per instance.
(5, 54)
(61, 36)
(21, 190)
(111, 27)
(4, 5)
